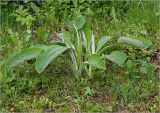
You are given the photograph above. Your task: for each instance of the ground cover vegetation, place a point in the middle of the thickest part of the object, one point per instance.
(80, 56)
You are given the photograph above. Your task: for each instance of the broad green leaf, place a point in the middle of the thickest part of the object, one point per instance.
(25, 54)
(79, 21)
(70, 25)
(87, 33)
(140, 43)
(131, 41)
(78, 45)
(66, 38)
(40, 46)
(117, 57)
(102, 42)
(47, 56)
(146, 43)
(97, 61)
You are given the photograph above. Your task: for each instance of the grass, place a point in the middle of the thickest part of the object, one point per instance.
(117, 89)
(108, 91)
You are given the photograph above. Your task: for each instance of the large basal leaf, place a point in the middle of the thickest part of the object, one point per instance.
(25, 54)
(47, 56)
(87, 33)
(146, 43)
(140, 43)
(117, 57)
(102, 42)
(78, 22)
(97, 61)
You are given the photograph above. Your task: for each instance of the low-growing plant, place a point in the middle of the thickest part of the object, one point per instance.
(85, 53)
(23, 17)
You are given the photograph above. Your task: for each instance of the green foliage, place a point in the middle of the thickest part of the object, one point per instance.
(117, 57)
(76, 48)
(102, 42)
(20, 57)
(41, 34)
(97, 61)
(78, 56)
(141, 43)
(23, 17)
(78, 23)
(45, 57)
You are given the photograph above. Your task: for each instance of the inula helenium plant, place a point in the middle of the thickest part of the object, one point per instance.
(85, 53)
